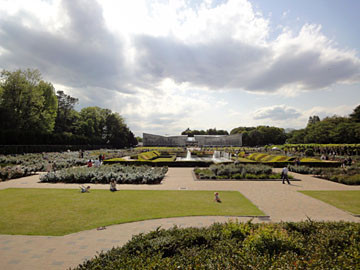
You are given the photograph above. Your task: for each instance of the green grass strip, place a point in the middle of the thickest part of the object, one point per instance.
(64, 211)
(348, 200)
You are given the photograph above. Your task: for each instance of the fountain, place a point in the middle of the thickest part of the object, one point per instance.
(188, 155)
(217, 157)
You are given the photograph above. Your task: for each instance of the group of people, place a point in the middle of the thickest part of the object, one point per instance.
(97, 162)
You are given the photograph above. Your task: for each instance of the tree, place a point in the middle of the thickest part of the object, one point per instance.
(355, 115)
(313, 120)
(118, 134)
(27, 105)
(66, 114)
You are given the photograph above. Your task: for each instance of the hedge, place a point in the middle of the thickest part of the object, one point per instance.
(233, 245)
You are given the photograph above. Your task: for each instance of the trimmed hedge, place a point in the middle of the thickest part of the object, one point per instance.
(149, 155)
(233, 245)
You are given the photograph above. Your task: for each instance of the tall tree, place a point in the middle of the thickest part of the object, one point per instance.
(313, 120)
(355, 115)
(66, 114)
(27, 104)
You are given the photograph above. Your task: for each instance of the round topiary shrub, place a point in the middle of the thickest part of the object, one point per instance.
(309, 152)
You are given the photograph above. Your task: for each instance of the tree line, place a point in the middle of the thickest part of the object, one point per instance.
(334, 129)
(211, 131)
(330, 130)
(31, 112)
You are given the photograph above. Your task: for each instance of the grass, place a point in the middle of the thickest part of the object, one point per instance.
(64, 211)
(348, 200)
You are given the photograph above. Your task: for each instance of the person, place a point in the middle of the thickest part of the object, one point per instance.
(97, 163)
(284, 175)
(84, 189)
(89, 164)
(113, 185)
(217, 198)
(100, 157)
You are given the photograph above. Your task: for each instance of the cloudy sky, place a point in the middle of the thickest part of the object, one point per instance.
(168, 65)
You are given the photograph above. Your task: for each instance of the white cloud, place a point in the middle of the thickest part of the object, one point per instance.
(277, 112)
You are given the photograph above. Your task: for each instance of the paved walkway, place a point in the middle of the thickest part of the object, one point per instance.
(280, 202)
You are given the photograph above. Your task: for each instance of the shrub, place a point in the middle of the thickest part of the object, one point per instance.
(122, 175)
(234, 245)
(309, 152)
(13, 172)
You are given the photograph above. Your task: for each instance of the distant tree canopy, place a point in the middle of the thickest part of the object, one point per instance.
(211, 131)
(261, 135)
(333, 129)
(355, 115)
(31, 113)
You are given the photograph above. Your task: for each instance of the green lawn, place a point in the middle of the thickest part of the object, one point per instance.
(64, 211)
(348, 200)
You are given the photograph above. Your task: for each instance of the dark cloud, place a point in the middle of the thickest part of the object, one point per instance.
(217, 64)
(279, 112)
(83, 54)
(230, 64)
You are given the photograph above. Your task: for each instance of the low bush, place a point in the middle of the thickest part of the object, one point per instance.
(347, 176)
(17, 171)
(104, 174)
(236, 171)
(233, 245)
(305, 170)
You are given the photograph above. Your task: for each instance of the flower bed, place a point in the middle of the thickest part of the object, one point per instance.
(347, 176)
(104, 174)
(13, 172)
(236, 171)
(284, 246)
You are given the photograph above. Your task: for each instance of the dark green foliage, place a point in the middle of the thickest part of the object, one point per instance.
(211, 131)
(309, 152)
(303, 245)
(333, 129)
(260, 135)
(31, 114)
(355, 115)
(27, 105)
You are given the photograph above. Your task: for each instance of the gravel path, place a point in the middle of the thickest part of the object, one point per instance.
(280, 202)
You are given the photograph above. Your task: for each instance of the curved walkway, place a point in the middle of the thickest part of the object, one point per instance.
(280, 202)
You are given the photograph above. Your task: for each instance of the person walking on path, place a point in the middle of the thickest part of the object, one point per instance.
(284, 175)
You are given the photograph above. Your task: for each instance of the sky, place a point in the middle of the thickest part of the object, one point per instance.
(170, 65)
